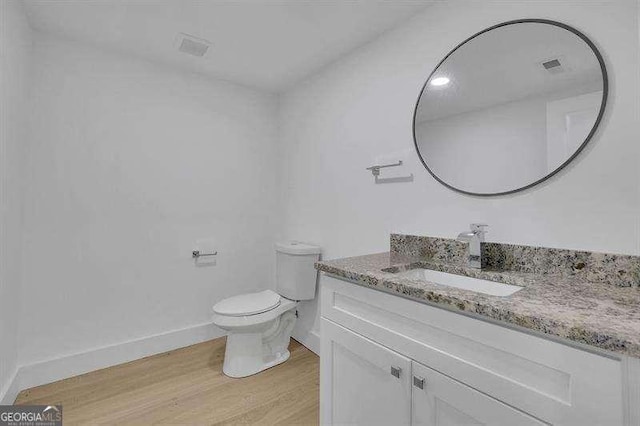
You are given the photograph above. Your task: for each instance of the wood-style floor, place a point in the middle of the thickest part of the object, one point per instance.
(186, 386)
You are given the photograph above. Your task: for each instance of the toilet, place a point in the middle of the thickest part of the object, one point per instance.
(259, 324)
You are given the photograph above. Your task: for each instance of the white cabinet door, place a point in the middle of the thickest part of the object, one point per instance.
(362, 382)
(438, 400)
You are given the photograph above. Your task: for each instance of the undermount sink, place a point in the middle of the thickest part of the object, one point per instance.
(460, 281)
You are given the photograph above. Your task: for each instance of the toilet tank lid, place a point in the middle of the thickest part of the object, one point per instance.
(295, 247)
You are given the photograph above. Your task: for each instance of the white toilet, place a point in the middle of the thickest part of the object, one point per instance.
(260, 324)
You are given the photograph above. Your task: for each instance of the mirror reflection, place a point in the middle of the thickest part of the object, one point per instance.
(509, 107)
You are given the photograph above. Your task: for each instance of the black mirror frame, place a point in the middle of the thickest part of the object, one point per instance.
(605, 93)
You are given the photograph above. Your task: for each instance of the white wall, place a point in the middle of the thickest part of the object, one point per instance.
(129, 164)
(361, 107)
(15, 50)
(493, 149)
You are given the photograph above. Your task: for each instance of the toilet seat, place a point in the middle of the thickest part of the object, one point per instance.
(248, 304)
(229, 322)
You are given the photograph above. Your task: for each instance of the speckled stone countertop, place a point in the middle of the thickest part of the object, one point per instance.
(593, 313)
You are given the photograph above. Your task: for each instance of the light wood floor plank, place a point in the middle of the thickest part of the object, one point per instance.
(186, 386)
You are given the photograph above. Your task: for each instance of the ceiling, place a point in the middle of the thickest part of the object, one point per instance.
(266, 44)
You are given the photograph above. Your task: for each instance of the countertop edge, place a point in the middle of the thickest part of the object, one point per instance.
(606, 345)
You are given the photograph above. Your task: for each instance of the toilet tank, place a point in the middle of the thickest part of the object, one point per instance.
(295, 274)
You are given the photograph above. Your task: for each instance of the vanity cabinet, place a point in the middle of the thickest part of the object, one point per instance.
(437, 400)
(369, 383)
(389, 360)
(373, 385)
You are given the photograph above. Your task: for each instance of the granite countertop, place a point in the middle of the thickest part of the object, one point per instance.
(592, 313)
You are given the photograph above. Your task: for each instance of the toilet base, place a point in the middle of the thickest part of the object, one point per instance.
(238, 372)
(247, 354)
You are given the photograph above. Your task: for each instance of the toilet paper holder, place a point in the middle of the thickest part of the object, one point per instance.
(196, 254)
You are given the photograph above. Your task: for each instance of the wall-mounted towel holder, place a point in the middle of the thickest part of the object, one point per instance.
(375, 170)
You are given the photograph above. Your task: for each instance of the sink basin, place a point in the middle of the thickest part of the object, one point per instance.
(460, 281)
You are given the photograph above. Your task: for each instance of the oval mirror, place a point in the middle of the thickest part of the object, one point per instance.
(510, 107)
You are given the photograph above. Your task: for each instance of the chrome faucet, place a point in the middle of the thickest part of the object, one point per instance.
(474, 237)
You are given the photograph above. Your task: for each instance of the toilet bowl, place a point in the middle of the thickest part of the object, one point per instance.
(256, 340)
(259, 325)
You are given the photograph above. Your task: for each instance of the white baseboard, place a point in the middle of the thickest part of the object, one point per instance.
(9, 389)
(310, 339)
(28, 376)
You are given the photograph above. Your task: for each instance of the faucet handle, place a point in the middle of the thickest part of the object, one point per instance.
(479, 227)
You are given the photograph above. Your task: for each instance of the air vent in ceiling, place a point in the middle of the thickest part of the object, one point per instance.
(192, 45)
(553, 66)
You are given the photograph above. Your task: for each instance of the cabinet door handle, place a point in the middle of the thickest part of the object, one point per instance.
(395, 371)
(418, 382)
